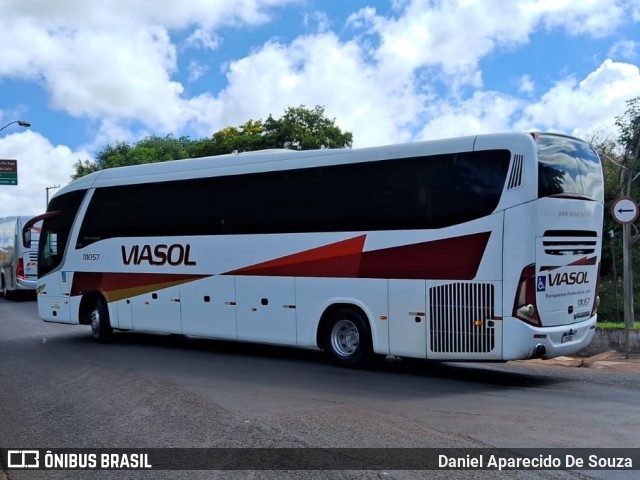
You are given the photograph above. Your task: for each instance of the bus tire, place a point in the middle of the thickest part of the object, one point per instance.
(6, 293)
(347, 339)
(100, 325)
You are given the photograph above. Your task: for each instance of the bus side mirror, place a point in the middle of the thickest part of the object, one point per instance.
(26, 238)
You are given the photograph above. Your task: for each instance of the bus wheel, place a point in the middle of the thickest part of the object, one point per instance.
(100, 325)
(5, 291)
(348, 339)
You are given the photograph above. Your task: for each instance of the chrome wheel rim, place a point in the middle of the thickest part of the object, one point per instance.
(95, 321)
(345, 338)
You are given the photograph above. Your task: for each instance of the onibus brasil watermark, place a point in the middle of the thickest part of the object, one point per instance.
(322, 458)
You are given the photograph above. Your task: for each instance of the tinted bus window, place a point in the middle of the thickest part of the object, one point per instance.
(568, 166)
(413, 193)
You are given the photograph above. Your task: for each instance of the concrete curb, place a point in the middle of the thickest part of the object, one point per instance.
(606, 339)
(611, 360)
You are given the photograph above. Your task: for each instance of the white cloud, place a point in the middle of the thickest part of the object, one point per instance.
(319, 19)
(484, 112)
(196, 70)
(40, 165)
(593, 17)
(116, 62)
(625, 50)
(114, 59)
(527, 86)
(442, 42)
(315, 70)
(173, 14)
(455, 34)
(204, 38)
(578, 107)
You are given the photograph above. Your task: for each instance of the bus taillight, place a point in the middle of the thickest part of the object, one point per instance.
(524, 306)
(20, 269)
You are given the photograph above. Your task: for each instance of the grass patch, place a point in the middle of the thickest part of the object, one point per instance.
(615, 325)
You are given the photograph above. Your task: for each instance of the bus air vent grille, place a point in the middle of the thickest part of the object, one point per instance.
(515, 178)
(570, 242)
(460, 318)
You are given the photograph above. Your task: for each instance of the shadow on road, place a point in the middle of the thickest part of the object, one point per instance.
(20, 296)
(266, 355)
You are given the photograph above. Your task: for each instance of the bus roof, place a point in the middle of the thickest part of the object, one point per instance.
(273, 160)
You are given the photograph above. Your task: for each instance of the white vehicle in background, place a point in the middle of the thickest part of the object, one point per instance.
(480, 248)
(18, 264)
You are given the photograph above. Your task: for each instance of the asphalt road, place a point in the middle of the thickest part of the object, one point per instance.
(60, 389)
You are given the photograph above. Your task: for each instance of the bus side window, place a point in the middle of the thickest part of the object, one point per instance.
(50, 249)
(26, 239)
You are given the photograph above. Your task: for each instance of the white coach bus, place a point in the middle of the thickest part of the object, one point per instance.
(481, 248)
(18, 263)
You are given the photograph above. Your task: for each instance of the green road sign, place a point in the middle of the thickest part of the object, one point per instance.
(8, 172)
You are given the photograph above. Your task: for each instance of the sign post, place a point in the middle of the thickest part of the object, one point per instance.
(8, 172)
(625, 212)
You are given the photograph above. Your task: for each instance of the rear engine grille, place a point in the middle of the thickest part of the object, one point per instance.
(460, 318)
(569, 242)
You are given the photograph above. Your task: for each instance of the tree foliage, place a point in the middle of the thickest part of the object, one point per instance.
(629, 125)
(621, 166)
(304, 129)
(299, 128)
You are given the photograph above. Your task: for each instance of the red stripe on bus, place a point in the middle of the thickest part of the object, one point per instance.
(580, 262)
(341, 259)
(452, 258)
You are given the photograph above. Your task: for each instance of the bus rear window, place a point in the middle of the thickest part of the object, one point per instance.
(568, 166)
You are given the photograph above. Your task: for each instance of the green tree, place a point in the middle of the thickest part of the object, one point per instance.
(161, 149)
(622, 171)
(148, 150)
(84, 167)
(629, 125)
(299, 129)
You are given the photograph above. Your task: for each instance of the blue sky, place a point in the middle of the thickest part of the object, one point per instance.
(89, 73)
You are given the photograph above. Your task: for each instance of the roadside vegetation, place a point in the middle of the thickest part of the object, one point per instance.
(300, 128)
(621, 165)
(617, 325)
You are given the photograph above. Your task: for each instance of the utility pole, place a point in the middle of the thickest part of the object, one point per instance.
(47, 189)
(615, 273)
(628, 286)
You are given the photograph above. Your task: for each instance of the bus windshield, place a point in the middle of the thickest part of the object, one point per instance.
(568, 166)
(56, 229)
